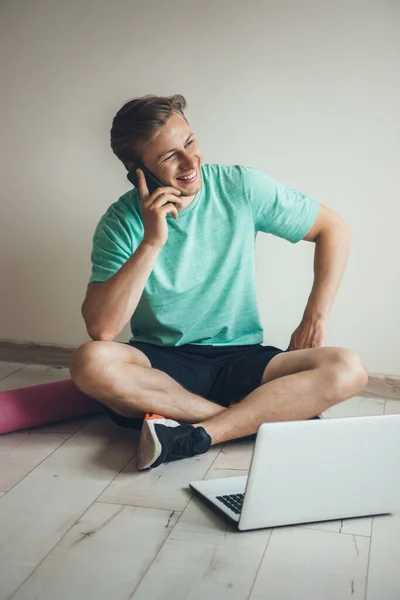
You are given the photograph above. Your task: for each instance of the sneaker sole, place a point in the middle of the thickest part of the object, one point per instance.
(149, 446)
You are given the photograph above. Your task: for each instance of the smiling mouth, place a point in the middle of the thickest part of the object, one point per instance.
(188, 178)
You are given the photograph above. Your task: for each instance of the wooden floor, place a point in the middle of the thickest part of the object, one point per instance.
(77, 521)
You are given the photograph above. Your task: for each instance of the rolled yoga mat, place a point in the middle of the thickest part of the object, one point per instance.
(42, 404)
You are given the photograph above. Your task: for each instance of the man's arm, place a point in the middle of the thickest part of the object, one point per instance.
(332, 244)
(109, 305)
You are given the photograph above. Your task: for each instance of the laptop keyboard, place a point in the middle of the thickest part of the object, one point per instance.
(232, 501)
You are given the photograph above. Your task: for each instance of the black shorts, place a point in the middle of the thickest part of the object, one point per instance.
(222, 374)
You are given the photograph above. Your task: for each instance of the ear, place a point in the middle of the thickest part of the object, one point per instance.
(128, 166)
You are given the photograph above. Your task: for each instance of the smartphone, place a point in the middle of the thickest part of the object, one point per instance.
(152, 182)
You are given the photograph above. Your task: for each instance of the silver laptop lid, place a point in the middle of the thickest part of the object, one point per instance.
(305, 471)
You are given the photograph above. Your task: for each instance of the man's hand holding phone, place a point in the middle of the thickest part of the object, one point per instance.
(155, 208)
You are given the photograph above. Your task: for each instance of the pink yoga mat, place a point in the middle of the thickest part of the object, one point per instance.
(43, 404)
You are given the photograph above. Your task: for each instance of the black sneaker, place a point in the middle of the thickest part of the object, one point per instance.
(164, 440)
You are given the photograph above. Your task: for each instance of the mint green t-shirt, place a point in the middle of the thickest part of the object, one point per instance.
(202, 287)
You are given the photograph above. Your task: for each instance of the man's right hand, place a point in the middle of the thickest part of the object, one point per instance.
(155, 208)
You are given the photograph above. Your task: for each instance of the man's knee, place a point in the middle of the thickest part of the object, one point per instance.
(345, 372)
(96, 371)
(88, 360)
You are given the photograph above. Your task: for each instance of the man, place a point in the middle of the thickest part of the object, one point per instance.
(179, 263)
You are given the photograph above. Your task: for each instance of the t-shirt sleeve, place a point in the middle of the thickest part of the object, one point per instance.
(112, 247)
(278, 209)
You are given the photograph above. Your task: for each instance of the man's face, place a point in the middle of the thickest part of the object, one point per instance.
(181, 156)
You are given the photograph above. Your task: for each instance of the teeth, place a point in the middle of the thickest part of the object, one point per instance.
(189, 177)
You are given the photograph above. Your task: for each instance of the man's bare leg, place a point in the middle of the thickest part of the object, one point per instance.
(296, 396)
(121, 377)
(296, 385)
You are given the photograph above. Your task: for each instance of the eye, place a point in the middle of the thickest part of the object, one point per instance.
(188, 144)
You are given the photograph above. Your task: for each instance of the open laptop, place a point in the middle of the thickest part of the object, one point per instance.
(317, 470)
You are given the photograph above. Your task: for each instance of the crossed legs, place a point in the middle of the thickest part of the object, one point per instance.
(295, 386)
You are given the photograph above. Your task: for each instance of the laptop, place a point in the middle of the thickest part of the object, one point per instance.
(310, 471)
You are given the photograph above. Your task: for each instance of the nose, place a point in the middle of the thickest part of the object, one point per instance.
(188, 161)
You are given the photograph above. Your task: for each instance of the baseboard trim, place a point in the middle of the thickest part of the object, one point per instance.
(386, 386)
(36, 353)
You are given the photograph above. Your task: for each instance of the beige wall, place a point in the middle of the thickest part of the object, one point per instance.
(306, 91)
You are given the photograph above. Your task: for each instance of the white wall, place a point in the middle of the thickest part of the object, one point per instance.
(306, 91)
